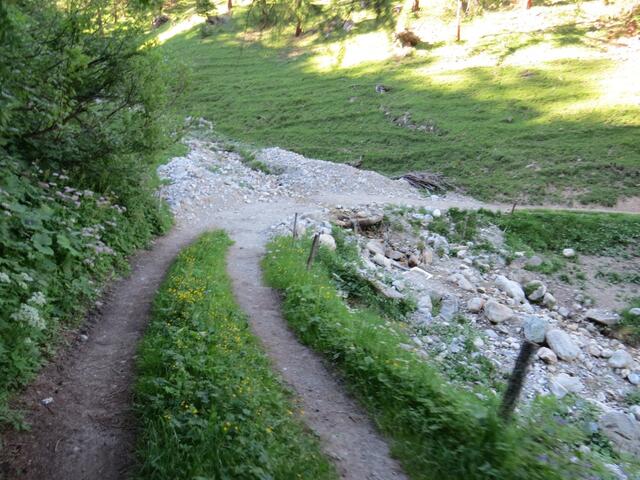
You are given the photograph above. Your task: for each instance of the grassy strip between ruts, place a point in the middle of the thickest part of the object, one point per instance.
(438, 431)
(208, 403)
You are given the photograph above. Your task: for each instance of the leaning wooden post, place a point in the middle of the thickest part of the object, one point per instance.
(516, 381)
(314, 250)
(295, 227)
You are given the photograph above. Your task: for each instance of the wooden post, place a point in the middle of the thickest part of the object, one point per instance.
(356, 225)
(513, 207)
(295, 227)
(516, 381)
(314, 250)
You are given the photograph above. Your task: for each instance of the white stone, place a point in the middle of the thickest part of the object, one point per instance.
(620, 359)
(603, 317)
(496, 312)
(568, 253)
(381, 260)
(562, 344)
(462, 282)
(511, 288)
(475, 304)
(563, 384)
(328, 241)
(546, 355)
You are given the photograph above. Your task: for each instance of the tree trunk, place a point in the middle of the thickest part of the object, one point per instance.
(298, 28)
(529, 4)
(416, 6)
(229, 4)
(458, 20)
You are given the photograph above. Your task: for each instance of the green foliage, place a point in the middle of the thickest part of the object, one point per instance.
(82, 125)
(343, 265)
(438, 431)
(550, 231)
(208, 403)
(629, 326)
(57, 244)
(204, 7)
(588, 233)
(633, 397)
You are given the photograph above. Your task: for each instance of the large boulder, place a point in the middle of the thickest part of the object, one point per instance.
(511, 288)
(496, 312)
(475, 304)
(622, 430)
(621, 359)
(535, 328)
(449, 307)
(547, 356)
(563, 384)
(535, 290)
(561, 343)
(603, 317)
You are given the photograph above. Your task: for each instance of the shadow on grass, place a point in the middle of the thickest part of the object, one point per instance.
(509, 133)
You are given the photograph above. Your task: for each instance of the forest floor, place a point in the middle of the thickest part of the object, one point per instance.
(87, 430)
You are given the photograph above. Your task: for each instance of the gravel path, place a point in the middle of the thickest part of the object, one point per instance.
(86, 433)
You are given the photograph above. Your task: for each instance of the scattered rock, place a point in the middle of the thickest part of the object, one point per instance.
(46, 401)
(426, 257)
(328, 241)
(564, 384)
(568, 253)
(475, 304)
(635, 410)
(562, 344)
(535, 290)
(511, 288)
(375, 246)
(546, 355)
(534, 261)
(622, 430)
(620, 359)
(496, 312)
(603, 317)
(634, 378)
(535, 329)
(462, 282)
(594, 350)
(549, 300)
(425, 304)
(635, 311)
(606, 353)
(381, 260)
(449, 307)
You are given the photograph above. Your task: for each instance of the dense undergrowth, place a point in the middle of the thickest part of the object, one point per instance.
(208, 403)
(83, 121)
(438, 430)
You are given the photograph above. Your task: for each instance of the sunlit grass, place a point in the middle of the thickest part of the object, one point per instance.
(509, 122)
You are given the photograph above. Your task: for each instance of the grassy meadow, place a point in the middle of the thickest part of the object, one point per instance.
(547, 129)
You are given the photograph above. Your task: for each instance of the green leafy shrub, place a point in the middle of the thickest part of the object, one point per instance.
(208, 403)
(629, 326)
(439, 431)
(82, 121)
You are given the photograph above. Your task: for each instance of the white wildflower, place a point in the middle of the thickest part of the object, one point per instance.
(4, 278)
(38, 299)
(29, 315)
(25, 277)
